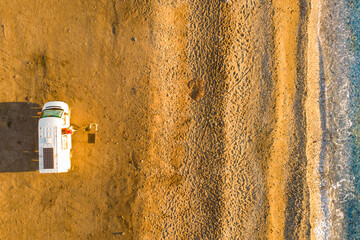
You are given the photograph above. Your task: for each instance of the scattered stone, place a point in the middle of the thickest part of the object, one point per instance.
(2, 31)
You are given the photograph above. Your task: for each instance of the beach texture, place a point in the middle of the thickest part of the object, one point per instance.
(216, 119)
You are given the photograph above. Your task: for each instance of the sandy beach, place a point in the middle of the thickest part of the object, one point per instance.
(208, 117)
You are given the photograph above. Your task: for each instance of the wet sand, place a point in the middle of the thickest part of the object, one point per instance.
(313, 122)
(288, 192)
(209, 126)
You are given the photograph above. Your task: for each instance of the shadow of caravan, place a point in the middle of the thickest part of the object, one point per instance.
(19, 137)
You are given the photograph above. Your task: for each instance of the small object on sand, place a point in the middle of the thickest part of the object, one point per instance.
(91, 137)
(93, 127)
(118, 233)
(133, 39)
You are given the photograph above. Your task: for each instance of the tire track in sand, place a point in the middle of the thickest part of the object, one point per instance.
(249, 121)
(221, 193)
(208, 45)
(226, 148)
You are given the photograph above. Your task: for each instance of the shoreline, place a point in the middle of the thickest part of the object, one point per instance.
(314, 128)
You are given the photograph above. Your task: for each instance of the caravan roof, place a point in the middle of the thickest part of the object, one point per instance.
(54, 144)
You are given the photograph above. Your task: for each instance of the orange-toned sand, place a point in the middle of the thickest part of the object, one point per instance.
(205, 109)
(290, 92)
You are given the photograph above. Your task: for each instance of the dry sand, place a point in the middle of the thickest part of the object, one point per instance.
(207, 127)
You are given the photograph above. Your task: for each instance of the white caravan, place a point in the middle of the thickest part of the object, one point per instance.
(54, 138)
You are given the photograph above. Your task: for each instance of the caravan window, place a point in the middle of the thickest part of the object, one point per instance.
(52, 113)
